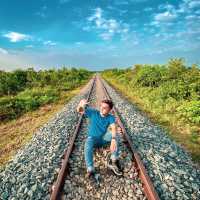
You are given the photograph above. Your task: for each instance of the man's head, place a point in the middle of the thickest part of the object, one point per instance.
(106, 106)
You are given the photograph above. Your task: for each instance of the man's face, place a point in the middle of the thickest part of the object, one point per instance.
(104, 108)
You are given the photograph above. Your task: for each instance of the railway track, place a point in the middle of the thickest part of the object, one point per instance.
(71, 181)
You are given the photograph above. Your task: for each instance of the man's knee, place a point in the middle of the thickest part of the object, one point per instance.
(108, 137)
(90, 140)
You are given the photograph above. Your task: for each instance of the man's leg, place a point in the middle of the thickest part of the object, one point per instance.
(93, 177)
(113, 164)
(88, 153)
(107, 139)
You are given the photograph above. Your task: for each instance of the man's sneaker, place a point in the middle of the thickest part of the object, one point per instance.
(115, 167)
(93, 179)
(119, 166)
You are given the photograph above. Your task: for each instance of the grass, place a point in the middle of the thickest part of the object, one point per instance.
(184, 133)
(14, 134)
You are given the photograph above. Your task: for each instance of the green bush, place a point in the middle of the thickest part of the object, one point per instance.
(190, 111)
(176, 68)
(33, 89)
(14, 82)
(164, 87)
(28, 100)
(7, 110)
(25, 104)
(150, 76)
(169, 93)
(176, 89)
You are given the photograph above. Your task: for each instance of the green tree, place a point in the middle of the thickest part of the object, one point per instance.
(176, 68)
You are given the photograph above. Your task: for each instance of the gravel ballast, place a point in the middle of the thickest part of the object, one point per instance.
(169, 166)
(111, 187)
(30, 174)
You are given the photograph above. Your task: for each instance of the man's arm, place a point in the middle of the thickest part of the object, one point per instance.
(113, 130)
(113, 144)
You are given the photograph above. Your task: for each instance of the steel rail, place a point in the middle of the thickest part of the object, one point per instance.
(149, 189)
(58, 185)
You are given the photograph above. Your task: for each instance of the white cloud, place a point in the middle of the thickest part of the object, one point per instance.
(165, 17)
(49, 43)
(97, 17)
(122, 12)
(194, 4)
(192, 17)
(106, 36)
(42, 12)
(155, 23)
(187, 6)
(197, 12)
(3, 51)
(29, 46)
(108, 27)
(86, 28)
(79, 43)
(168, 7)
(16, 37)
(168, 13)
(188, 33)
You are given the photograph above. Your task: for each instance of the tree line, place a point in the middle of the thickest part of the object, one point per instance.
(25, 90)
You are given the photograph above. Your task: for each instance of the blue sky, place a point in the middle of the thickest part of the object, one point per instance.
(97, 34)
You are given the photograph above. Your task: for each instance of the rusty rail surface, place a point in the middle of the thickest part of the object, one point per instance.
(149, 190)
(58, 185)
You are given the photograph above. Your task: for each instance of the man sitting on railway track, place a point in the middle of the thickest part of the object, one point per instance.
(98, 136)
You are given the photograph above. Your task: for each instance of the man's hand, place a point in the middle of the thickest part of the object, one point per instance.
(81, 105)
(83, 102)
(119, 130)
(113, 145)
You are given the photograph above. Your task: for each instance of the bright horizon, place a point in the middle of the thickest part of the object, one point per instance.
(98, 35)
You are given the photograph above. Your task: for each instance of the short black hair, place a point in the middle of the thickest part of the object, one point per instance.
(109, 102)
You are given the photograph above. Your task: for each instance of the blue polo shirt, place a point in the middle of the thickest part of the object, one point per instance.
(98, 125)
